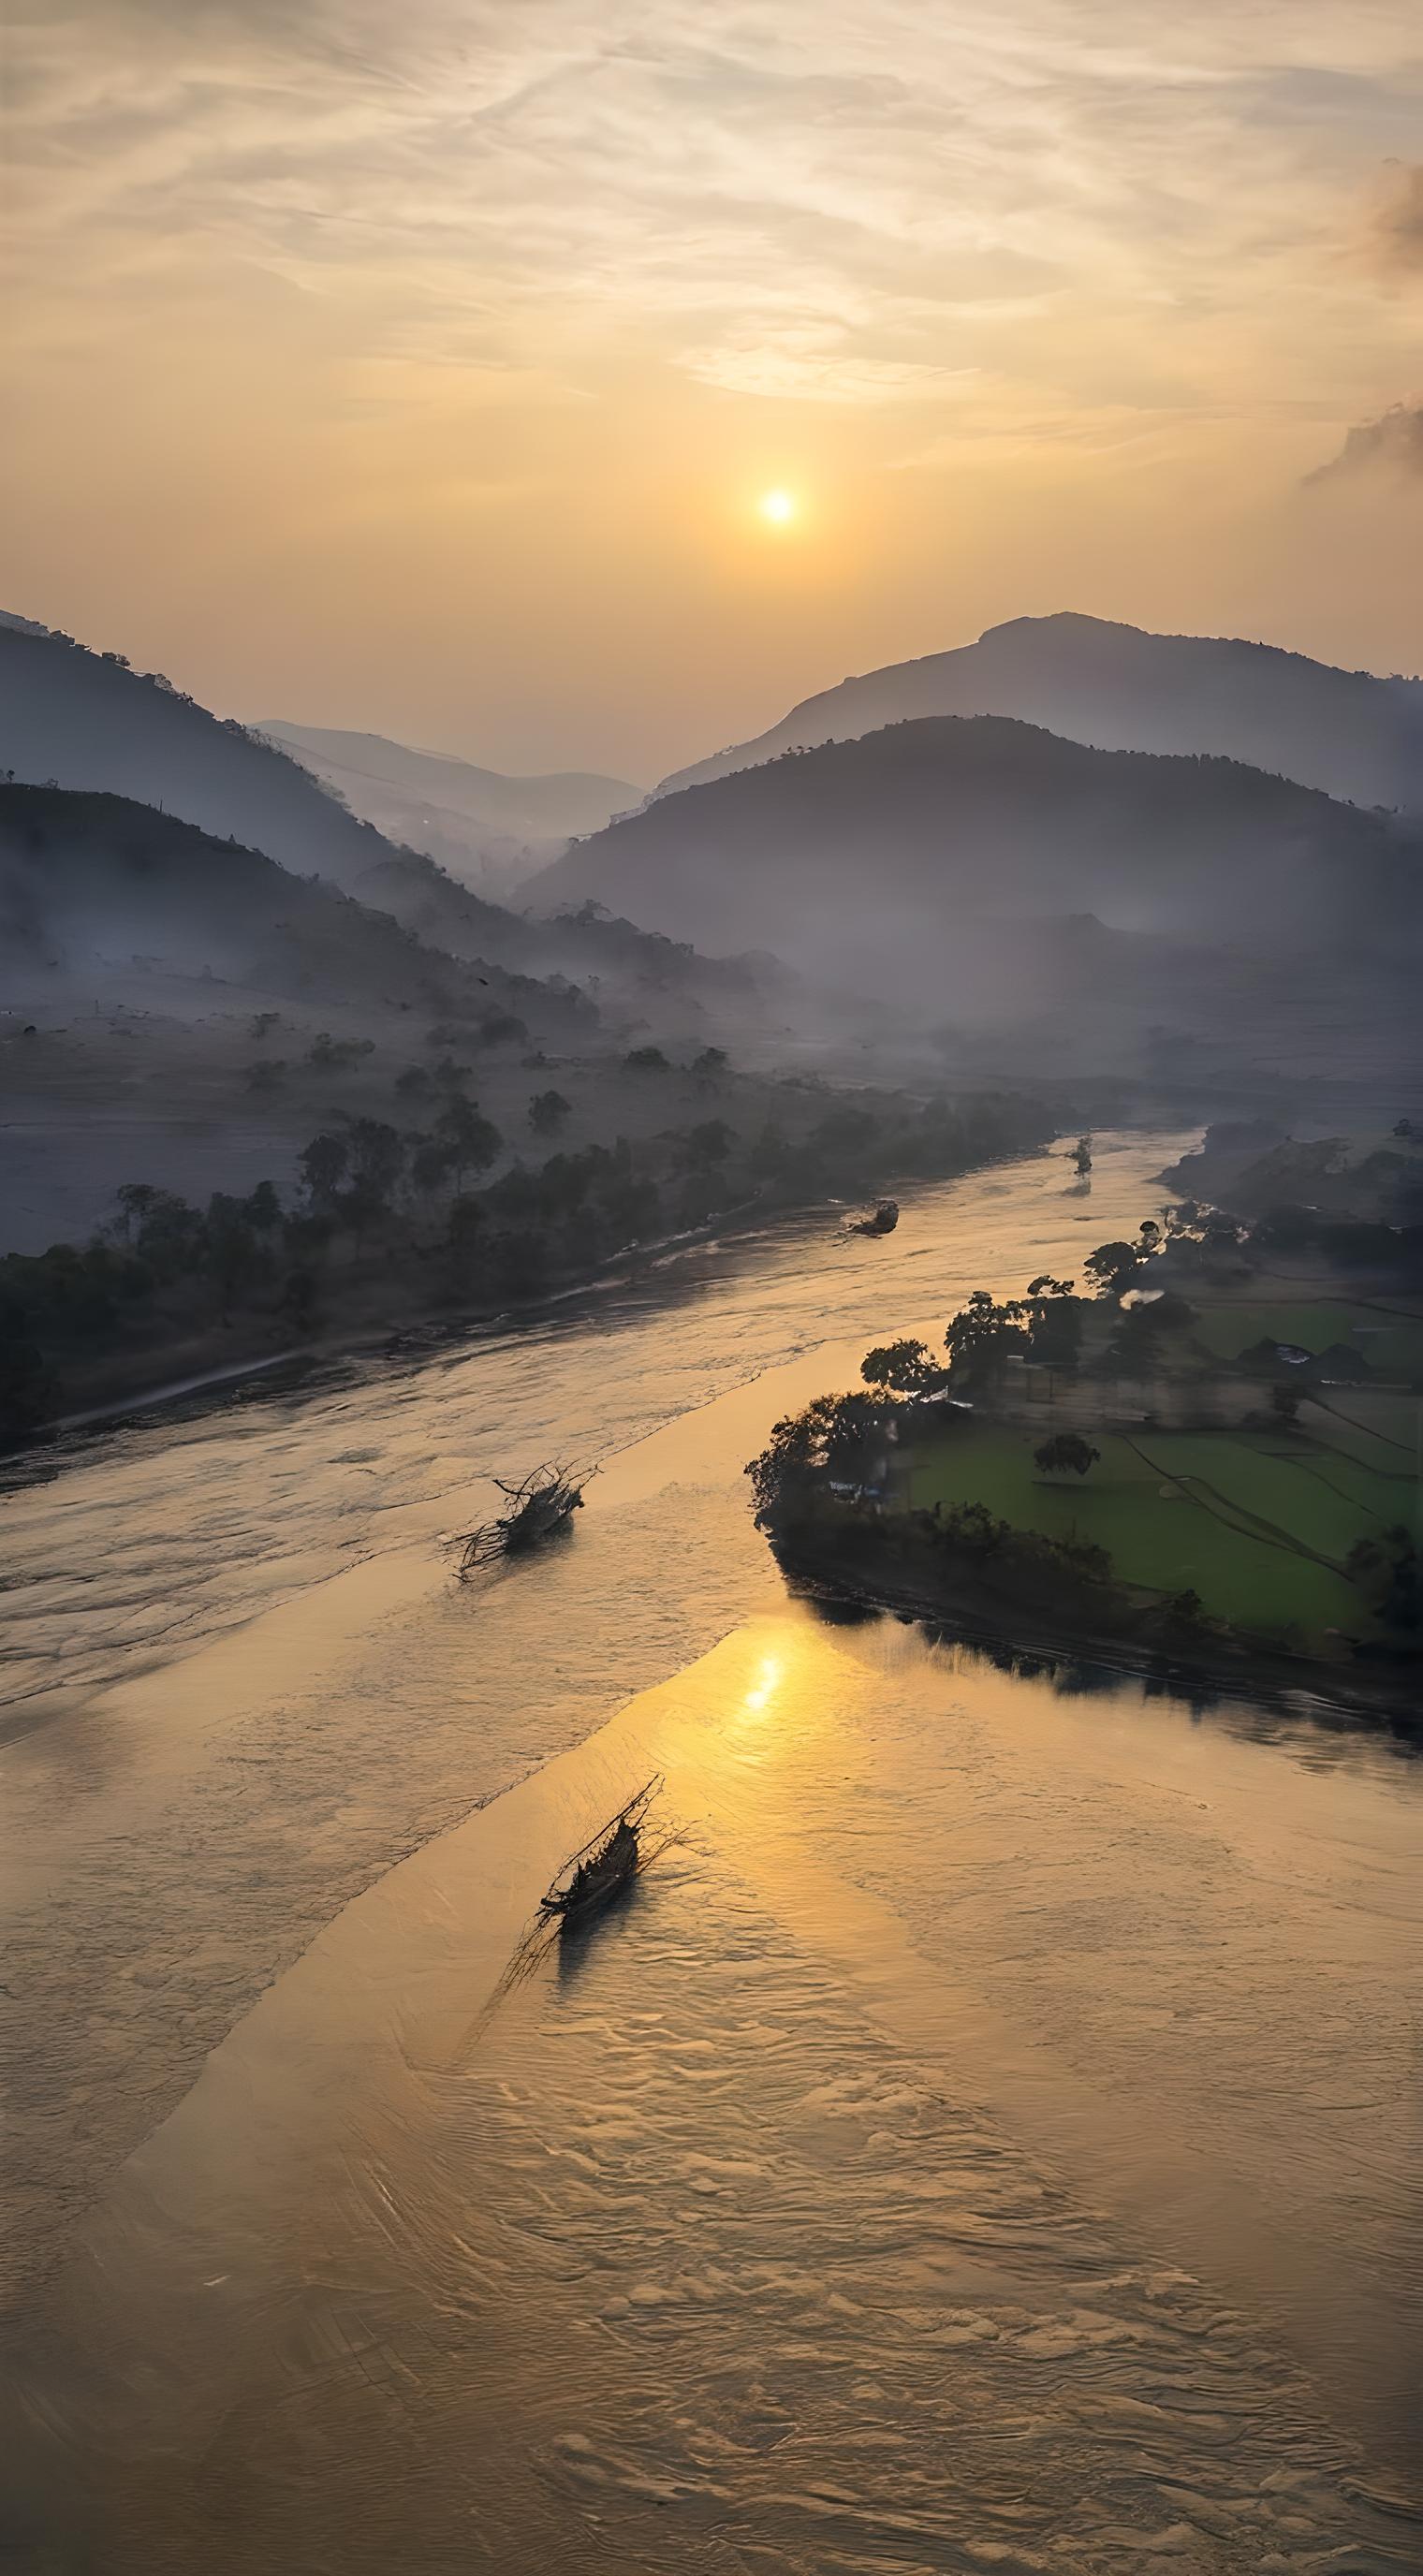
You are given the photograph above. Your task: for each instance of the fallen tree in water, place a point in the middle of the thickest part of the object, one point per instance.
(538, 1509)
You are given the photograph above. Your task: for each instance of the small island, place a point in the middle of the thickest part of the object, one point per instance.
(1205, 1453)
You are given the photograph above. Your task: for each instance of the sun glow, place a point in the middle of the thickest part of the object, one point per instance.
(764, 1687)
(778, 508)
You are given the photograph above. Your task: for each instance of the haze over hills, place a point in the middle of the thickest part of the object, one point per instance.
(97, 892)
(1117, 688)
(74, 718)
(180, 1010)
(649, 983)
(489, 829)
(992, 872)
(950, 817)
(86, 722)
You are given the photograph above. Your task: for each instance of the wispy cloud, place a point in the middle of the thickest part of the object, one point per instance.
(812, 201)
(1388, 449)
(471, 329)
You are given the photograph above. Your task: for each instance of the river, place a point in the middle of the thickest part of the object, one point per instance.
(986, 2139)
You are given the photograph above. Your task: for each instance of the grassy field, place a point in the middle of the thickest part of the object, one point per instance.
(1256, 1523)
(1390, 1341)
(1316, 1326)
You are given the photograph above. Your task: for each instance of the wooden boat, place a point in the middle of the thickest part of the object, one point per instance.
(592, 1876)
(883, 1220)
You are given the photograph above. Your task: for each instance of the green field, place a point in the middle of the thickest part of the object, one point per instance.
(1256, 1523)
(1316, 1326)
(1391, 1343)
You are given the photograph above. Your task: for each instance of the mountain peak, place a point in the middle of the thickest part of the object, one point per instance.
(1122, 688)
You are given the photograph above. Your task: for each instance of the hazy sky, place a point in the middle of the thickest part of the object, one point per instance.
(420, 364)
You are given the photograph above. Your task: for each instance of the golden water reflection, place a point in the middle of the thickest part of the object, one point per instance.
(868, 2174)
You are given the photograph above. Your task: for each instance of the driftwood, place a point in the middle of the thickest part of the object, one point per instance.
(538, 1509)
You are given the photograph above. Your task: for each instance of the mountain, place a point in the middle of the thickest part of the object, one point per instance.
(88, 723)
(993, 874)
(1113, 687)
(434, 802)
(97, 891)
(72, 718)
(951, 817)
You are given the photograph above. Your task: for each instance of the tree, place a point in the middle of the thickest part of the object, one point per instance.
(28, 1388)
(298, 1299)
(1284, 1404)
(710, 1065)
(414, 1084)
(377, 1158)
(137, 1200)
(982, 1337)
(322, 1165)
(1054, 1322)
(263, 1208)
(473, 1140)
(231, 1247)
(707, 1144)
(547, 1112)
(1066, 1450)
(264, 1020)
(836, 1436)
(646, 1059)
(1113, 1266)
(909, 1367)
(431, 1164)
(466, 1236)
(1386, 1570)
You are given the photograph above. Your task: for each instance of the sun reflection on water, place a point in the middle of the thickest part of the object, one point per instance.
(764, 1688)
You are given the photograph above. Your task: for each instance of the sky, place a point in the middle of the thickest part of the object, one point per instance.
(424, 368)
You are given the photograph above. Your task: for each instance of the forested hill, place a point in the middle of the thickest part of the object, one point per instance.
(906, 834)
(72, 718)
(1350, 733)
(95, 888)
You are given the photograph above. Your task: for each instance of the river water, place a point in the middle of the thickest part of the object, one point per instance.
(987, 2137)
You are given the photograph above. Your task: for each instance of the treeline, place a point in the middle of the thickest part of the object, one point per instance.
(407, 1220)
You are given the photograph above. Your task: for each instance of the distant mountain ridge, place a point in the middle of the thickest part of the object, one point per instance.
(997, 876)
(489, 830)
(85, 723)
(85, 720)
(548, 806)
(1119, 688)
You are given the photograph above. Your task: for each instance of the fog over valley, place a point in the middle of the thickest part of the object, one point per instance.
(711, 1289)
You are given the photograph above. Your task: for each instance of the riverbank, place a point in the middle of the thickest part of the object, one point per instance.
(1124, 1632)
(1210, 1466)
(417, 1294)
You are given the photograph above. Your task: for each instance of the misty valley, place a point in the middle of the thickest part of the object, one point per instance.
(711, 1377)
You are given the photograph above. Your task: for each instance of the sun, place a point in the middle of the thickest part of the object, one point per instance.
(777, 507)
